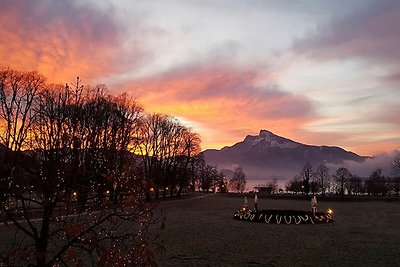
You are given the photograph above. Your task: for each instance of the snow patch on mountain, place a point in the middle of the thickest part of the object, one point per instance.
(268, 139)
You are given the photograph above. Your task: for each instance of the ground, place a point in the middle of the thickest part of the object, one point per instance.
(202, 232)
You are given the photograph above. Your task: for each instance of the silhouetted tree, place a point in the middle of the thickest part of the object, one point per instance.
(273, 184)
(314, 186)
(394, 185)
(342, 176)
(189, 149)
(377, 184)
(395, 181)
(295, 185)
(354, 185)
(208, 175)
(238, 181)
(307, 174)
(396, 165)
(196, 165)
(167, 149)
(322, 177)
(18, 92)
(73, 151)
(222, 182)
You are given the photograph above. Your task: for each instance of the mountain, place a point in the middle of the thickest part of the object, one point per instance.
(268, 155)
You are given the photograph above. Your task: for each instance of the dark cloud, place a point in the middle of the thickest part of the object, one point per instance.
(371, 33)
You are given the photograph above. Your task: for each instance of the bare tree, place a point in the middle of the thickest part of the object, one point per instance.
(18, 91)
(222, 182)
(394, 185)
(342, 175)
(377, 183)
(273, 184)
(295, 185)
(191, 148)
(354, 185)
(79, 146)
(238, 181)
(167, 149)
(151, 150)
(208, 176)
(307, 174)
(396, 165)
(395, 181)
(322, 176)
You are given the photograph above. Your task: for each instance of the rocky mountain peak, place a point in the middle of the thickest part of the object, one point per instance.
(266, 134)
(269, 139)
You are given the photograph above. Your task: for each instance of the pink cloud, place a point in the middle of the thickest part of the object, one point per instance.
(59, 39)
(392, 78)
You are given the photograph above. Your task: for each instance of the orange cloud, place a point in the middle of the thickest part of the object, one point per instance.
(58, 39)
(223, 102)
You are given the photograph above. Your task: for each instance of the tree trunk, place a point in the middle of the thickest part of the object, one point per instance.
(156, 193)
(42, 242)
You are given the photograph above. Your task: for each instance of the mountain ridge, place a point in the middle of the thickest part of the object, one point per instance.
(270, 154)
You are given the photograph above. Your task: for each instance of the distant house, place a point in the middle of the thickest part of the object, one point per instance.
(264, 190)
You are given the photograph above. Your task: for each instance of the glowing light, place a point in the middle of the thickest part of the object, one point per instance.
(152, 189)
(330, 212)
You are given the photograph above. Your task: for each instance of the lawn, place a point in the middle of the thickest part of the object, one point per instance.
(202, 232)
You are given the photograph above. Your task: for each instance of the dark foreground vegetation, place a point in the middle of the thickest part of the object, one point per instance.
(76, 166)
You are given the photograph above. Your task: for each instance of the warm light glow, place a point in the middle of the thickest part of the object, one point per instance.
(152, 189)
(330, 212)
(223, 97)
(74, 194)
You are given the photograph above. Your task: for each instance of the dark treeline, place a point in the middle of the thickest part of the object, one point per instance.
(69, 150)
(342, 182)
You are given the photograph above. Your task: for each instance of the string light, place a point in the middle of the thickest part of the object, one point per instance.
(267, 216)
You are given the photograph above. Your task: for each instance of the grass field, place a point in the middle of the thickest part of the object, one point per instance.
(202, 232)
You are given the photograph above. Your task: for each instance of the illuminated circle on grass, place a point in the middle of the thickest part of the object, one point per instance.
(283, 217)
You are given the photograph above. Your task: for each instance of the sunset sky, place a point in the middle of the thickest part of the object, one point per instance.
(318, 72)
